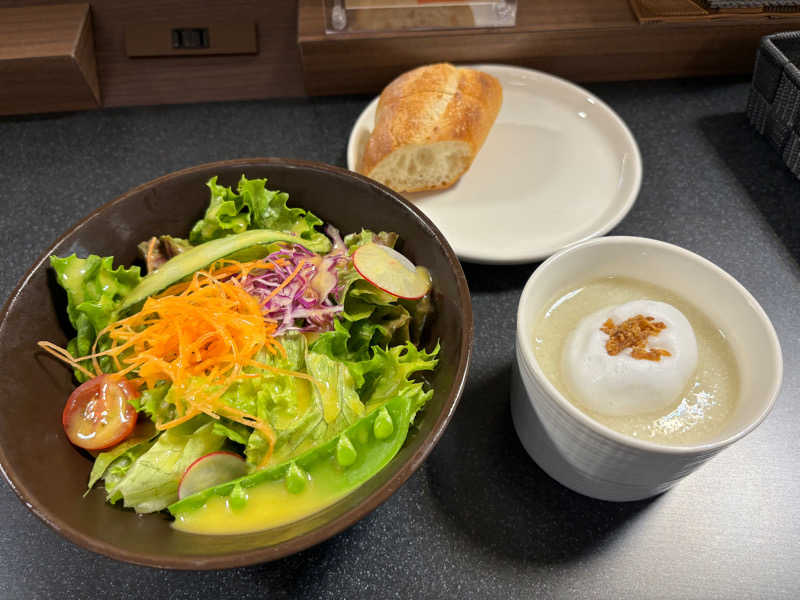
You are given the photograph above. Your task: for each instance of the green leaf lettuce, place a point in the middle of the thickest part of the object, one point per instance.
(252, 206)
(149, 482)
(94, 291)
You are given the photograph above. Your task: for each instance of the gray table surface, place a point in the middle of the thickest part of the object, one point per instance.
(479, 519)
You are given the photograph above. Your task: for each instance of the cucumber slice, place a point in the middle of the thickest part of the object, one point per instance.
(203, 255)
(390, 271)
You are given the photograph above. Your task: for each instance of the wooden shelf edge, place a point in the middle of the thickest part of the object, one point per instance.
(311, 26)
(617, 48)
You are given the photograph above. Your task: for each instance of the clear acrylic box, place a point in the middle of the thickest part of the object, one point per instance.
(353, 16)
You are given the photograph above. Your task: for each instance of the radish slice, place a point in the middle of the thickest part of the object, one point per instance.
(390, 271)
(210, 470)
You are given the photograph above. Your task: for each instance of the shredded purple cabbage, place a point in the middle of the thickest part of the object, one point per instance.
(309, 301)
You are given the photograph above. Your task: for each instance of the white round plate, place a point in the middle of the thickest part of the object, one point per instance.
(558, 167)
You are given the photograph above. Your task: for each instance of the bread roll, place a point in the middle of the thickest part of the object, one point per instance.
(429, 125)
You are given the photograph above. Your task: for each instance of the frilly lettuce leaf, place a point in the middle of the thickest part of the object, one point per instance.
(150, 482)
(94, 288)
(118, 468)
(252, 206)
(370, 318)
(155, 403)
(300, 413)
(388, 374)
(112, 464)
(94, 291)
(225, 214)
(351, 341)
(362, 297)
(379, 373)
(366, 236)
(335, 395)
(236, 432)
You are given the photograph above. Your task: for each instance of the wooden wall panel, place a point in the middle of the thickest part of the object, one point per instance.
(584, 40)
(47, 59)
(274, 71)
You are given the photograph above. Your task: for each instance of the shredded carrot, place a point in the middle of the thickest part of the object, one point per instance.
(62, 354)
(169, 424)
(200, 335)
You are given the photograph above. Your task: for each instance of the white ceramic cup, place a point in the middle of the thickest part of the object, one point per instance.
(592, 459)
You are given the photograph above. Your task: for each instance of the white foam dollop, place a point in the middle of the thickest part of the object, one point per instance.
(622, 385)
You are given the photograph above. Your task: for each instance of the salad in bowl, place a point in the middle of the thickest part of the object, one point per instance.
(250, 374)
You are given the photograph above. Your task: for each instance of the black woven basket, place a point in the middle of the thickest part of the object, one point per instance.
(774, 103)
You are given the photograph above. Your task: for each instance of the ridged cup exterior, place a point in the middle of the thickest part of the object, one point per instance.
(584, 460)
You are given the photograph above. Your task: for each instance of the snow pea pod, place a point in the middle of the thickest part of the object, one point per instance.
(326, 472)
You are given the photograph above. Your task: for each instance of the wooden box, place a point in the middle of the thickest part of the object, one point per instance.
(47, 59)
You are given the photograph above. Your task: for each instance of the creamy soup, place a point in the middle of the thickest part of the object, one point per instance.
(708, 390)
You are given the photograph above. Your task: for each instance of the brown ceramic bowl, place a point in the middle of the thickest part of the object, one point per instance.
(49, 475)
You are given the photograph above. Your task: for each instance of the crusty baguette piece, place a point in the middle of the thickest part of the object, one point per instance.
(429, 126)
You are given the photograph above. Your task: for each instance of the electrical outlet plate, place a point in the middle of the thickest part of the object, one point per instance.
(189, 39)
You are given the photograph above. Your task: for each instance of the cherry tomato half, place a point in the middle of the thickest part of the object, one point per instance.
(98, 415)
